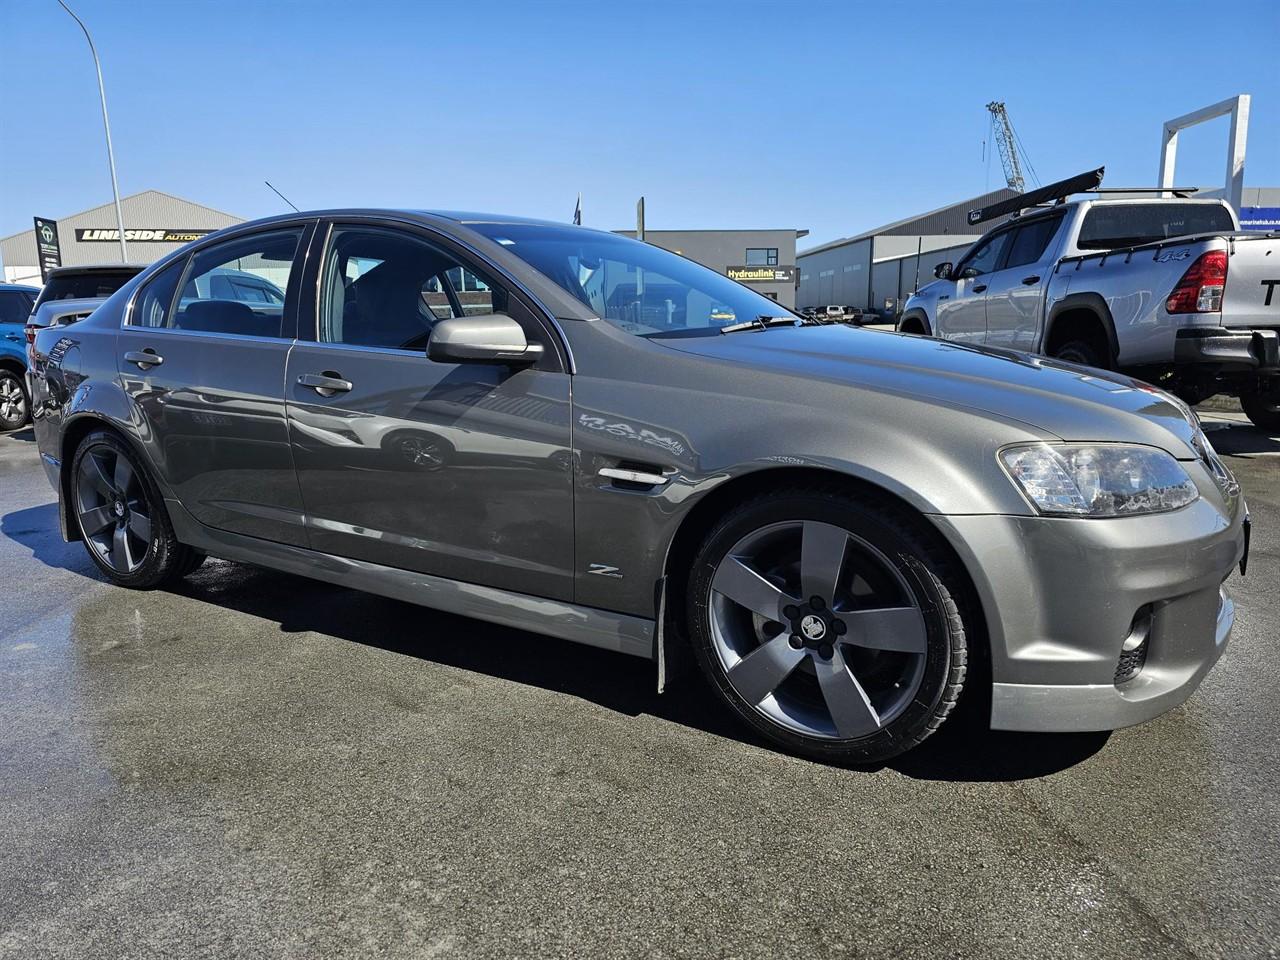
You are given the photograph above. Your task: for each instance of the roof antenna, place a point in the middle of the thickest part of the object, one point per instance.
(281, 196)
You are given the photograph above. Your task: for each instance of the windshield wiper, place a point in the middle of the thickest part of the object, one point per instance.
(761, 322)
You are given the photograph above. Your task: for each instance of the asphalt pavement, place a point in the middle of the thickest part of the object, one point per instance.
(262, 766)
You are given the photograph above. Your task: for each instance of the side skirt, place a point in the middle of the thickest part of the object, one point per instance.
(619, 632)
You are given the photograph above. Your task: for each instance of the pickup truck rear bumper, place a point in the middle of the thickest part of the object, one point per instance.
(1254, 349)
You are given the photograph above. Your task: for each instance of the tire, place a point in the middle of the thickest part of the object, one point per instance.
(859, 680)
(1083, 353)
(121, 516)
(15, 405)
(1263, 407)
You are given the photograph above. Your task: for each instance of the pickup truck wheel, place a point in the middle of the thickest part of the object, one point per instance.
(1263, 407)
(1081, 352)
(14, 408)
(828, 624)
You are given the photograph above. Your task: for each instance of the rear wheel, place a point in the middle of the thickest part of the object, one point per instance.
(14, 407)
(827, 623)
(122, 519)
(1084, 352)
(1263, 407)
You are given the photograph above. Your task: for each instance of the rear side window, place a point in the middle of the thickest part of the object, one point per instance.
(1131, 224)
(73, 286)
(1031, 240)
(215, 296)
(152, 305)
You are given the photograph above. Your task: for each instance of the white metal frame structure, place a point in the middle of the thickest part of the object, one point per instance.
(1238, 107)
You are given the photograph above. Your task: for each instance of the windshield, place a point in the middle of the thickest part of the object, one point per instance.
(1130, 224)
(97, 283)
(636, 286)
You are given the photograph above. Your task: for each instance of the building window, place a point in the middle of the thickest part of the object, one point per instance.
(762, 256)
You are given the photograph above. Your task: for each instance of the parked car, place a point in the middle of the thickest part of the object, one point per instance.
(1169, 290)
(70, 294)
(15, 306)
(1050, 538)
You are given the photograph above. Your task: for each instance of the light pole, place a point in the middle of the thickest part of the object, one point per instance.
(106, 125)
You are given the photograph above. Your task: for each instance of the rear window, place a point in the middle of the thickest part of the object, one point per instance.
(73, 286)
(1131, 224)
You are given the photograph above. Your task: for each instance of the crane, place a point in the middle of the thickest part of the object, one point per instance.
(1006, 141)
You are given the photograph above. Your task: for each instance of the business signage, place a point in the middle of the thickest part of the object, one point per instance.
(762, 274)
(1260, 218)
(153, 235)
(47, 250)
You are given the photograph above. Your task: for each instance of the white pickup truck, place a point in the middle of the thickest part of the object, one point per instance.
(1168, 289)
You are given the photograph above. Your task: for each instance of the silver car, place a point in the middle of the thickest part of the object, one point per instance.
(585, 436)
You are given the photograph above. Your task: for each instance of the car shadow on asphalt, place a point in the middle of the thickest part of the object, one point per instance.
(26, 434)
(1240, 439)
(963, 750)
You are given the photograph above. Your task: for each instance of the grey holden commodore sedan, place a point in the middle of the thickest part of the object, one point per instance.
(585, 436)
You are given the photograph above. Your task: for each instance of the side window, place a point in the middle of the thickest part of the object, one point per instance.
(14, 306)
(222, 289)
(151, 307)
(383, 288)
(986, 258)
(1031, 240)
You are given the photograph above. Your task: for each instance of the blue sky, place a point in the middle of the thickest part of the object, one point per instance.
(834, 117)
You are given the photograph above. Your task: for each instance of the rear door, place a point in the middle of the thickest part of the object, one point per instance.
(207, 374)
(1015, 291)
(962, 314)
(458, 470)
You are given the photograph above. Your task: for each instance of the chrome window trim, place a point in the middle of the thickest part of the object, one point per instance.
(207, 334)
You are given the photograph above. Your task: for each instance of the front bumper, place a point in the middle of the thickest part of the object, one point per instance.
(1061, 596)
(1224, 346)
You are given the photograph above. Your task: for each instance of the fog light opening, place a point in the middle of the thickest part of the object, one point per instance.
(1133, 651)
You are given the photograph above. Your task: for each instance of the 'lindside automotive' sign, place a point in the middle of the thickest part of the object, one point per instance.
(155, 235)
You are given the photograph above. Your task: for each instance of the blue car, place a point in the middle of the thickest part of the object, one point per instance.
(15, 306)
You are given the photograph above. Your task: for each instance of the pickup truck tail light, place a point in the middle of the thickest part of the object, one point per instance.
(31, 330)
(1200, 289)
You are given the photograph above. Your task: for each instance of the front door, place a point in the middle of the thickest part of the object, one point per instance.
(1015, 292)
(457, 470)
(962, 315)
(205, 366)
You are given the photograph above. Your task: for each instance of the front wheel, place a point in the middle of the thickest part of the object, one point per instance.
(14, 407)
(828, 624)
(122, 518)
(1263, 407)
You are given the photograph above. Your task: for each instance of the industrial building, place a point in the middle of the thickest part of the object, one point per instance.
(155, 224)
(876, 271)
(765, 260)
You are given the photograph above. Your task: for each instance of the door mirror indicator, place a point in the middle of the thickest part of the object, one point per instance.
(487, 338)
(943, 270)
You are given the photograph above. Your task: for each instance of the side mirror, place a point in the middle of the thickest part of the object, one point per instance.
(486, 338)
(943, 270)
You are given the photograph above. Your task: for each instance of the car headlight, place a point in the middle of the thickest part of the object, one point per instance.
(1098, 480)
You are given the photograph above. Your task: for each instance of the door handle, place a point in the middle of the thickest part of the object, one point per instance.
(326, 384)
(1034, 278)
(145, 359)
(979, 288)
(12, 336)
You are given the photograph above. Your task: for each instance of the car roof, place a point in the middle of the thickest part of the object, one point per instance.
(19, 287)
